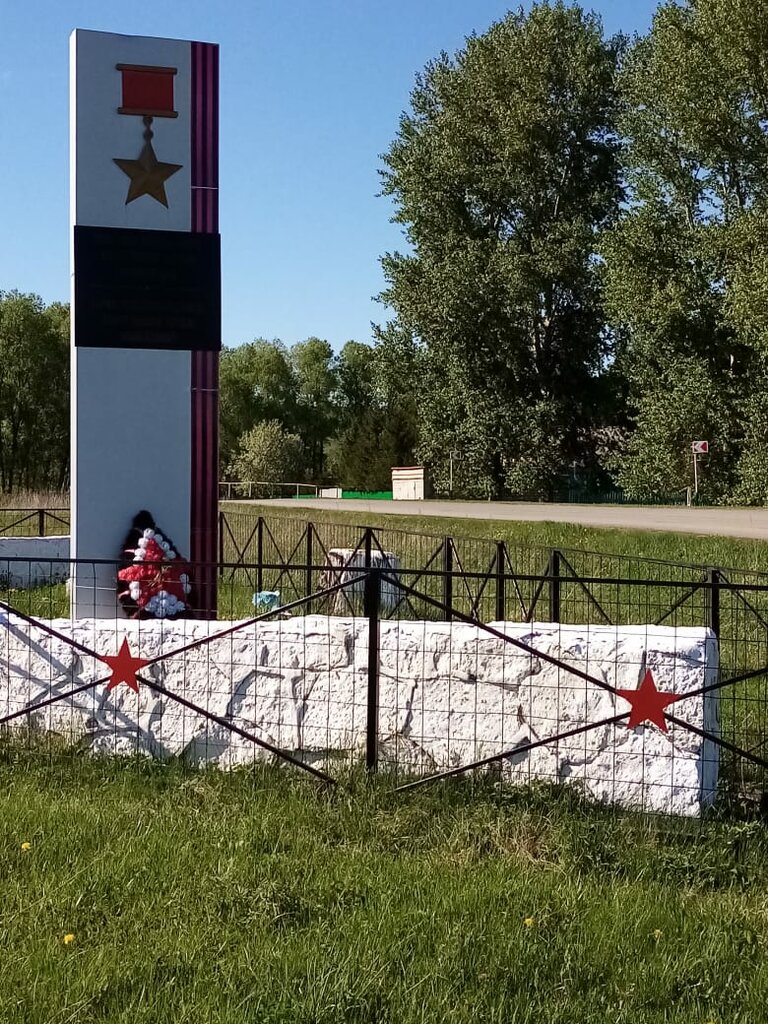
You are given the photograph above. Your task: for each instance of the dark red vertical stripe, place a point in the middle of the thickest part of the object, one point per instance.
(205, 365)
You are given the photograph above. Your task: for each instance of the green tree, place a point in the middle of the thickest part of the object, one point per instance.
(257, 383)
(315, 374)
(376, 412)
(504, 173)
(268, 453)
(355, 367)
(34, 392)
(686, 265)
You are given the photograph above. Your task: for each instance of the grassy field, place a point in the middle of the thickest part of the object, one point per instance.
(690, 549)
(34, 499)
(145, 893)
(138, 893)
(687, 548)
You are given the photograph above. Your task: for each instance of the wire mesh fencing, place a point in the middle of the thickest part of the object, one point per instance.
(419, 655)
(492, 581)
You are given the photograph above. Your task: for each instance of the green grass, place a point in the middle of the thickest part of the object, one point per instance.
(687, 548)
(691, 549)
(259, 897)
(43, 602)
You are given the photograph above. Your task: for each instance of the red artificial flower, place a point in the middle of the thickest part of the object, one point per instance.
(154, 573)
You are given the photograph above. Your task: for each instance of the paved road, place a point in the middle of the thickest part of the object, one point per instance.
(725, 522)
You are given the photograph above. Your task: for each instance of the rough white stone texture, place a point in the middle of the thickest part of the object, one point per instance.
(449, 694)
(38, 563)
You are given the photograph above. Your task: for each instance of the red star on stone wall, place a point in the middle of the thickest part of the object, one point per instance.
(648, 703)
(124, 667)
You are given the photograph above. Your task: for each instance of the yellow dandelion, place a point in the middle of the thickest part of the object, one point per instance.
(529, 922)
(657, 934)
(26, 846)
(69, 938)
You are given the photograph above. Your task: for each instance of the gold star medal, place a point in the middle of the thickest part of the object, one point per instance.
(148, 174)
(147, 93)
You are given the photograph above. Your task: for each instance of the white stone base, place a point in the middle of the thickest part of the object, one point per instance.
(449, 694)
(41, 561)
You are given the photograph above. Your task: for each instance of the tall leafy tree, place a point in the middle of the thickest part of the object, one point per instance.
(268, 453)
(354, 381)
(686, 265)
(504, 172)
(265, 381)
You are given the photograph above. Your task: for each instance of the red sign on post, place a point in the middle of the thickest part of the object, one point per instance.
(700, 447)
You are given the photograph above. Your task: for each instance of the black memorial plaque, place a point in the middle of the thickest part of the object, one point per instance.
(147, 289)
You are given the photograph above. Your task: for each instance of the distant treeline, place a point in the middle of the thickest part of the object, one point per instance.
(286, 414)
(584, 290)
(34, 394)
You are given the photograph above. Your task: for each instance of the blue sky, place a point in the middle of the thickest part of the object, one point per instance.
(311, 92)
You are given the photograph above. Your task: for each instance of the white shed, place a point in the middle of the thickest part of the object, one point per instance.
(409, 483)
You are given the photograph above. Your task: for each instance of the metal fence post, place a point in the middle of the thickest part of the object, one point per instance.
(713, 601)
(501, 594)
(553, 572)
(448, 577)
(368, 546)
(309, 556)
(221, 543)
(260, 554)
(41, 522)
(371, 600)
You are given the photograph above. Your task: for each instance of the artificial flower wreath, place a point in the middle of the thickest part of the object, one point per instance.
(153, 580)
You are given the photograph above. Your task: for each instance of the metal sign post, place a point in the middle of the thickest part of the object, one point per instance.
(452, 456)
(697, 448)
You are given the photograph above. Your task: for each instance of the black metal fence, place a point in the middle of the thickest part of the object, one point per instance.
(483, 580)
(428, 699)
(280, 567)
(34, 522)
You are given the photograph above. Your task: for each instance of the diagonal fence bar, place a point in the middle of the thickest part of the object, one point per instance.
(157, 687)
(522, 748)
(232, 727)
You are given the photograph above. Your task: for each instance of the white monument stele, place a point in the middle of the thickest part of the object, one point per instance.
(146, 306)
